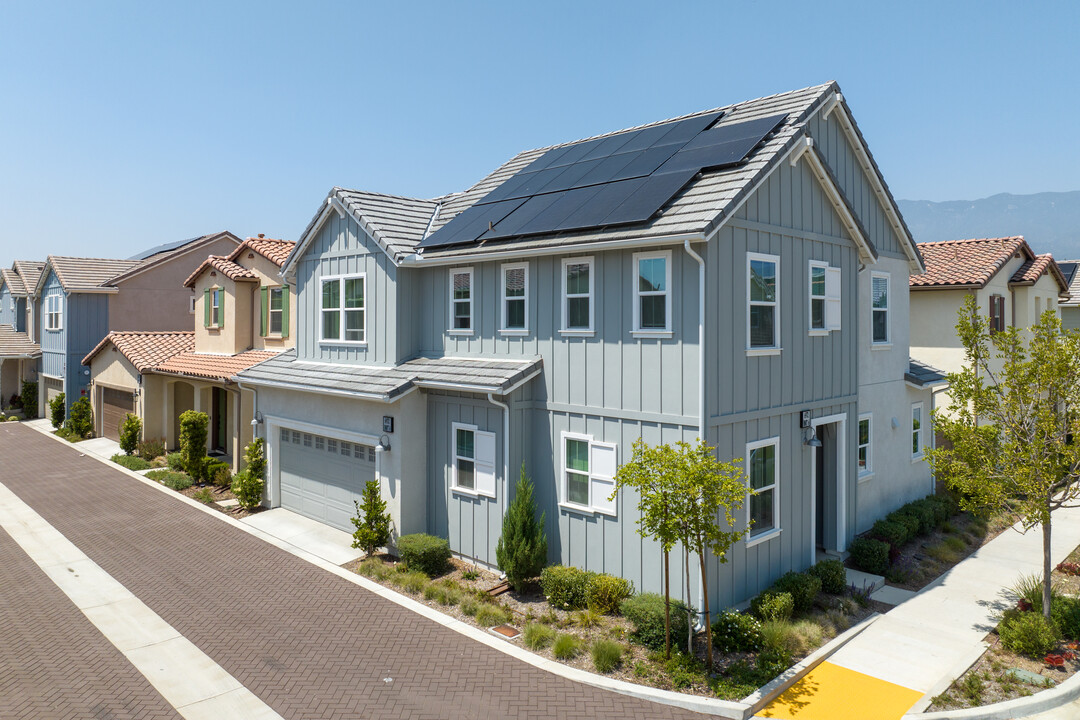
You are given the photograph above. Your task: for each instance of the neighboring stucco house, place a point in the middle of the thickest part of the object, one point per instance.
(19, 350)
(710, 276)
(241, 315)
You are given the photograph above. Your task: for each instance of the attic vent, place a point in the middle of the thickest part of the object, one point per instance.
(251, 255)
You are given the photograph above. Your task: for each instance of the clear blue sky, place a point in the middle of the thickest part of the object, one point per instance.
(128, 124)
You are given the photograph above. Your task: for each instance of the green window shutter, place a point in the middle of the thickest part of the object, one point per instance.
(206, 308)
(221, 309)
(264, 310)
(284, 311)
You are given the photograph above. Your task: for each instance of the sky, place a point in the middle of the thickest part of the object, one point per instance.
(124, 125)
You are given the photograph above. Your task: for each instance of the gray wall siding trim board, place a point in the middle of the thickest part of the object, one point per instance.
(683, 420)
(751, 415)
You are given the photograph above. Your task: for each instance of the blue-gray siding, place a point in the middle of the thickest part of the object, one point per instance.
(85, 320)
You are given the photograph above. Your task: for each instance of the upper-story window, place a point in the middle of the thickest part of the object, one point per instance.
(274, 311)
(997, 313)
(577, 295)
(461, 301)
(515, 298)
(214, 307)
(825, 283)
(763, 308)
(343, 309)
(54, 305)
(879, 307)
(652, 289)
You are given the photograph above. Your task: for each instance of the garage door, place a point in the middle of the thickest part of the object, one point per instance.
(53, 387)
(321, 476)
(115, 405)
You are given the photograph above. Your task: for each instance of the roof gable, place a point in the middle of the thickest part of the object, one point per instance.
(276, 251)
(1030, 272)
(11, 280)
(167, 253)
(84, 274)
(228, 268)
(30, 272)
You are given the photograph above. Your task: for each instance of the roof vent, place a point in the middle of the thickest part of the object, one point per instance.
(262, 235)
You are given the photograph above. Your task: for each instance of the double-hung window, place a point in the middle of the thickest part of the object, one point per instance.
(473, 461)
(577, 307)
(763, 310)
(54, 312)
(997, 313)
(344, 309)
(652, 292)
(274, 317)
(879, 308)
(515, 299)
(864, 453)
(214, 308)
(588, 474)
(824, 298)
(763, 471)
(461, 301)
(916, 430)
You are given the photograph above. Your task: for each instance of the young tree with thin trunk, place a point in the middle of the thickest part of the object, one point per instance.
(1015, 408)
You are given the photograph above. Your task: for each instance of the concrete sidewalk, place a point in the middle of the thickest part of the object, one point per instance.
(919, 648)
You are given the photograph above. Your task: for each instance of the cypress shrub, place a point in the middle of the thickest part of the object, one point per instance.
(522, 548)
(372, 522)
(247, 485)
(57, 409)
(29, 399)
(81, 418)
(193, 427)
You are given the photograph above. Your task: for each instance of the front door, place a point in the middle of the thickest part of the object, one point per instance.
(220, 411)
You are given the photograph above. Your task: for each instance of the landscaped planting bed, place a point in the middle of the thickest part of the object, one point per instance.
(749, 652)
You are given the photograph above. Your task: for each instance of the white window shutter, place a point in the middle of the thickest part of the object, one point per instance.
(484, 453)
(833, 278)
(602, 465)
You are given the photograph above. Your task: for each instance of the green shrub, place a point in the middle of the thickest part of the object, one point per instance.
(910, 522)
(206, 496)
(375, 569)
(771, 663)
(936, 514)
(646, 613)
(804, 589)
(247, 485)
(1029, 588)
(522, 548)
(255, 458)
(870, 555)
(586, 618)
(566, 646)
(151, 448)
(193, 442)
(894, 533)
(538, 636)
(57, 410)
(412, 581)
(175, 462)
(219, 473)
(470, 606)
(81, 418)
(923, 514)
(491, 615)
(131, 462)
(773, 605)
(606, 655)
(423, 552)
(1065, 613)
(791, 638)
(606, 592)
(566, 587)
(1028, 633)
(174, 480)
(130, 432)
(372, 522)
(29, 399)
(942, 508)
(732, 631)
(832, 574)
(445, 592)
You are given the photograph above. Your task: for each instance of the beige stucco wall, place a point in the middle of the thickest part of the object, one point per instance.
(268, 276)
(156, 299)
(167, 407)
(110, 369)
(243, 306)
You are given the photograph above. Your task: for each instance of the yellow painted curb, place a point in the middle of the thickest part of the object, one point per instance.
(832, 692)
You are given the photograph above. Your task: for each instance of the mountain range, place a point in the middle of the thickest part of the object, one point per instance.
(1049, 221)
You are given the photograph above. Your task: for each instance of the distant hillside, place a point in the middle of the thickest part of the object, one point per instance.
(1050, 221)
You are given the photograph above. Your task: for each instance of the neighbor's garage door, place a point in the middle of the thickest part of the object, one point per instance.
(115, 405)
(321, 476)
(53, 387)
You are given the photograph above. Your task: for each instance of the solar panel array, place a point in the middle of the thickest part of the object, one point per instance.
(615, 180)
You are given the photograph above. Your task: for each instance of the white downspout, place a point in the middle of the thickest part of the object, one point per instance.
(506, 449)
(701, 381)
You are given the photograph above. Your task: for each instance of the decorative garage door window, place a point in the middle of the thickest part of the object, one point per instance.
(357, 451)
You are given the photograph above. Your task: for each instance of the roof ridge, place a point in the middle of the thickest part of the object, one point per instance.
(381, 194)
(970, 240)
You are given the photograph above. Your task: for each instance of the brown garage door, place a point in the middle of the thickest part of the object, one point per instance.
(115, 405)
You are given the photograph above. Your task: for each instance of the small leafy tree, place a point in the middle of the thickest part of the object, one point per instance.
(57, 410)
(1011, 425)
(652, 473)
(130, 432)
(522, 548)
(81, 418)
(372, 522)
(247, 485)
(193, 427)
(29, 399)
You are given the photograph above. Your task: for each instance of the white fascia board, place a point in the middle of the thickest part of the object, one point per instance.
(822, 174)
(104, 290)
(591, 246)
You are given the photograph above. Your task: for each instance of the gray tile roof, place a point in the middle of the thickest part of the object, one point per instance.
(30, 272)
(923, 375)
(14, 344)
(388, 383)
(13, 281)
(81, 274)
(1069, 270)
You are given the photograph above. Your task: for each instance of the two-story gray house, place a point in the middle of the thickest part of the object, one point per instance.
(697, 277)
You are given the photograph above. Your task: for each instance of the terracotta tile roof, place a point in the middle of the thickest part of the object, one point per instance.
(77, 274)
(13, 281)
(146, 349)
(276, 251)
(223, 265)
(215, 367)
(15, 344)
(1030, 272)
(966, 262)
(30, 272)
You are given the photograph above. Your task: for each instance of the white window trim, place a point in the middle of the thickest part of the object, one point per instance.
(50, 313)
(281, 310)
(454, 487)
(564, 495)
(776, 529)
(503, 330)
(869, 471)
(450, 329)
(215, 308)
(341, 309)
(191, 305)
(589, 331)
(821, 331)
(916, 456)
(888, 309)
(775, 348)
(638, 331)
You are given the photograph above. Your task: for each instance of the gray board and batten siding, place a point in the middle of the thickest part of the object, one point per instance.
(84, 321)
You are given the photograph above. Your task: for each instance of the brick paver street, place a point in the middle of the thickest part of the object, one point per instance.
(308, 643)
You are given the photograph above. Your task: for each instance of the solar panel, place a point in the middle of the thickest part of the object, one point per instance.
(619, 179)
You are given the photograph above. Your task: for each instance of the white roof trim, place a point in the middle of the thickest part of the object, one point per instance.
(841, 207)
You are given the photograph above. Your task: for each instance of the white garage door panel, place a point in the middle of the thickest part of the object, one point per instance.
(321, 476)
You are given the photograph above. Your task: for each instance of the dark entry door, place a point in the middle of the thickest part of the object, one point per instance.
(220, 410)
